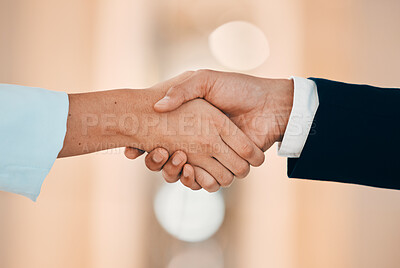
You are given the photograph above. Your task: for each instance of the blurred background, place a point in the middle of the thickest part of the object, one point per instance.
(103, 210)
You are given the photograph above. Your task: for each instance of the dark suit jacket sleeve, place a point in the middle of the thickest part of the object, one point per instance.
(355, 136)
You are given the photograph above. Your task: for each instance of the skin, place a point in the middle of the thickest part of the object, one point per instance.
(260, 107)
(204, 143)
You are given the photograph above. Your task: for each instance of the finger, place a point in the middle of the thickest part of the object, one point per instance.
(231, 160)
(195, 86)
(133, 153)
(187, 177)
(214, 168)
(205, 180)
(173, 168)
(240, 143)
(156, 159)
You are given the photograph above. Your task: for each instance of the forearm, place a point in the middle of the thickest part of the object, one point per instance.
(94, 121)
(111, 119)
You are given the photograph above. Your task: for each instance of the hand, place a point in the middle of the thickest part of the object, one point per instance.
(173, 168)
(212, 143)
(259, 106)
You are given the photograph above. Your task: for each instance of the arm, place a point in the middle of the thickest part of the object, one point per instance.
(109, 119)
(93, 125)
(354, 138)
(353, 126)
(34, 123)
(95, 121)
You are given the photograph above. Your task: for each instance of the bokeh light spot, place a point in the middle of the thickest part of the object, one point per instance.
(188, 215)
(239, 45)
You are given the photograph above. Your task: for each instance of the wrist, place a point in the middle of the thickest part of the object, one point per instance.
(137, 119)
(286, 86)
(114, 117)
(121, 124)
(92, 123)
(278, 105)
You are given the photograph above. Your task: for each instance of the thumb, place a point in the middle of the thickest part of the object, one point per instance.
(175, 97)
(189, 89)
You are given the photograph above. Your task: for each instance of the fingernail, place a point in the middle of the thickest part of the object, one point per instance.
(185, 173)
(164, 101)
(157, 158)
(177, 160)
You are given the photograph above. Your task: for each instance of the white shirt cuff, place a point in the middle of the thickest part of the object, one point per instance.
(305, 105)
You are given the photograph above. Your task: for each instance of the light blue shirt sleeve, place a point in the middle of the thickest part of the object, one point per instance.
(33, 123)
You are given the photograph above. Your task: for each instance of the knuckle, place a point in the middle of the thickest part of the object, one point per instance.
(214, 189)
(242, 170)
(260, 160)
(210, 185)
(227, 180)
(247, 150)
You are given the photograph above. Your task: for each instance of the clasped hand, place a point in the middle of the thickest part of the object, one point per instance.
(206, 147)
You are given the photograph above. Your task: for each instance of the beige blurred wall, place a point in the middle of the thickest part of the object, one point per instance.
(96, 211)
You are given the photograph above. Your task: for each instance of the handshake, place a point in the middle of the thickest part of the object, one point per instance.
(203, 128)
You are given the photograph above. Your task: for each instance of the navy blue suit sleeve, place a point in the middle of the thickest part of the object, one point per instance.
(355, 136)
